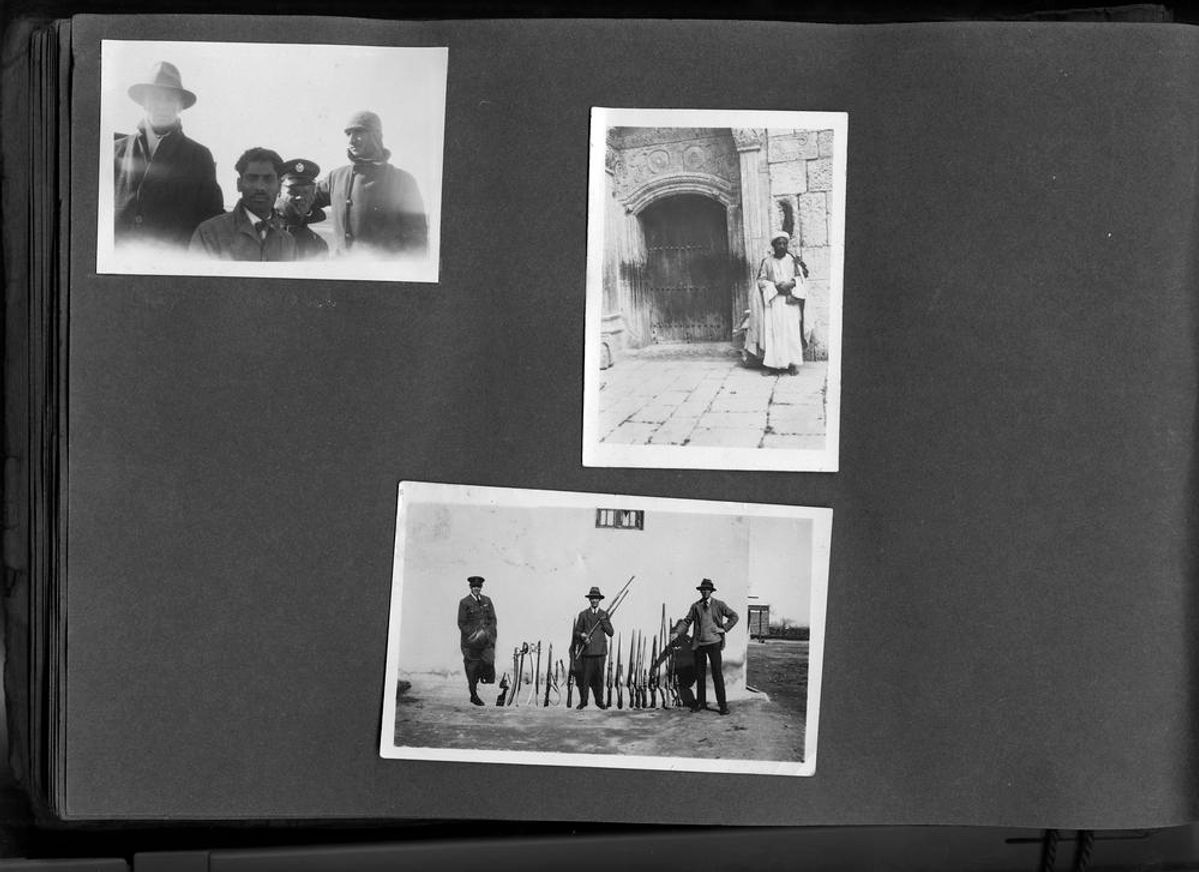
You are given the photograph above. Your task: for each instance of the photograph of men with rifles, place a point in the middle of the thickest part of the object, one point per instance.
(586, 629)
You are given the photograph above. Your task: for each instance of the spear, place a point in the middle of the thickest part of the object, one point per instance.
(619, 676)
(632, 672)
(653, 678)
(537, 674)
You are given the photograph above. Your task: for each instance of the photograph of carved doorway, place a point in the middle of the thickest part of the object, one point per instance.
(715, 253)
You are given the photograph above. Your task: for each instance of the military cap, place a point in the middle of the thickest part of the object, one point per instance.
(300, 168)
(706, 584)
(364, 120)
(475, 581)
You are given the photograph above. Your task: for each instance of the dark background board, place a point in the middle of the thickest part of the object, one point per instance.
(1011, 589)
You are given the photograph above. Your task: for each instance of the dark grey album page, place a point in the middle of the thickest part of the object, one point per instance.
(1011, 591)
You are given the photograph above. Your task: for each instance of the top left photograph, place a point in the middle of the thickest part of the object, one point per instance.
(271, 160)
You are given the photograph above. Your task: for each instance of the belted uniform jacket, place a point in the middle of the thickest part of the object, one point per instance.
(232, 237)
(474, 616)
(162, 199)
(375, 206)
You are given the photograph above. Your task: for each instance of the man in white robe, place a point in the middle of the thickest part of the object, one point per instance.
(776, 312)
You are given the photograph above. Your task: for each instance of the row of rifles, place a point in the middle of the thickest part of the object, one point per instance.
(643, 679)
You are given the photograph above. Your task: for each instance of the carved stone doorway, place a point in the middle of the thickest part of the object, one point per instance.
(689, 274)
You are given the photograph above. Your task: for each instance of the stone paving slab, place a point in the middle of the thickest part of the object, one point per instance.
(707, 397)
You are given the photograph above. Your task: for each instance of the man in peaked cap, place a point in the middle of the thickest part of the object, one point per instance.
(477, 626)
(376, 207)
(711, 619)
(165, 183)
(591, 632)
(777, 312)
(297, 194)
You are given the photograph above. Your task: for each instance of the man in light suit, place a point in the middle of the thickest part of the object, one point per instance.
(592, 629)
(477, 626)
(711, 619)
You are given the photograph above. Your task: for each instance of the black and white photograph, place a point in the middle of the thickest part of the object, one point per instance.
(271, 160)
(715, 252)
(558, 628)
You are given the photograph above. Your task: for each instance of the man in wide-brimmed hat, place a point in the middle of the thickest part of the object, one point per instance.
(165, 183)
(592, 629)
(711, 620)
(376, 208)
(477, 626)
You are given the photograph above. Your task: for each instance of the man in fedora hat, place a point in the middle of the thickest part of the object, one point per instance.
(681, 665)
(592, 629)
(252, 231)
(477, 627)
(711, 620)
(165, 183)
(777, 311)
(297, 194)
(377, 208)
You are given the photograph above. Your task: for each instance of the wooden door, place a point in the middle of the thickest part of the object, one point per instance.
(687, 254)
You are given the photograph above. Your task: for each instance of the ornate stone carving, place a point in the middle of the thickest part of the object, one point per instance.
(748, 137)
(654, 161)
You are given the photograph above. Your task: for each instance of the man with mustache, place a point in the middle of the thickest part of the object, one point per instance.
(252, 231)
(376, 207)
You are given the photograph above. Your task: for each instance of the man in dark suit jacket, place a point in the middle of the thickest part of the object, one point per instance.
(711, 619)
(376, 207)
(477, 626)
(165, 183)
(592, 629)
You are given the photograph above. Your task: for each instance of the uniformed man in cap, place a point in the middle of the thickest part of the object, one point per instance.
(165, 183)
(252, 231)
(591, 632)
(711, 620)
(477, 626)
(376, 207)
(297, 194)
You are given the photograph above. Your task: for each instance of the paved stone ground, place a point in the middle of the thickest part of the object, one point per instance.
(703, 395)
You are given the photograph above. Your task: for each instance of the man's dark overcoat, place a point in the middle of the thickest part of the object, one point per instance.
(162, 199)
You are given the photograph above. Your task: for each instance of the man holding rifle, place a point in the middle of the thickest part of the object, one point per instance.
(591, 632)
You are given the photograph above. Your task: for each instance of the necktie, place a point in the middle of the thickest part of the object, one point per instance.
(260, 228)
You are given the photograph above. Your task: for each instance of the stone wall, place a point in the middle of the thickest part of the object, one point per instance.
(800, 168)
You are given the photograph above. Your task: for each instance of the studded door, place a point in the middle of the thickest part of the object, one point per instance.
(688, 271)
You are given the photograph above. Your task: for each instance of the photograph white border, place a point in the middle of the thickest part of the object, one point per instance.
(596, 453)
(289, 89)
(450, 494)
